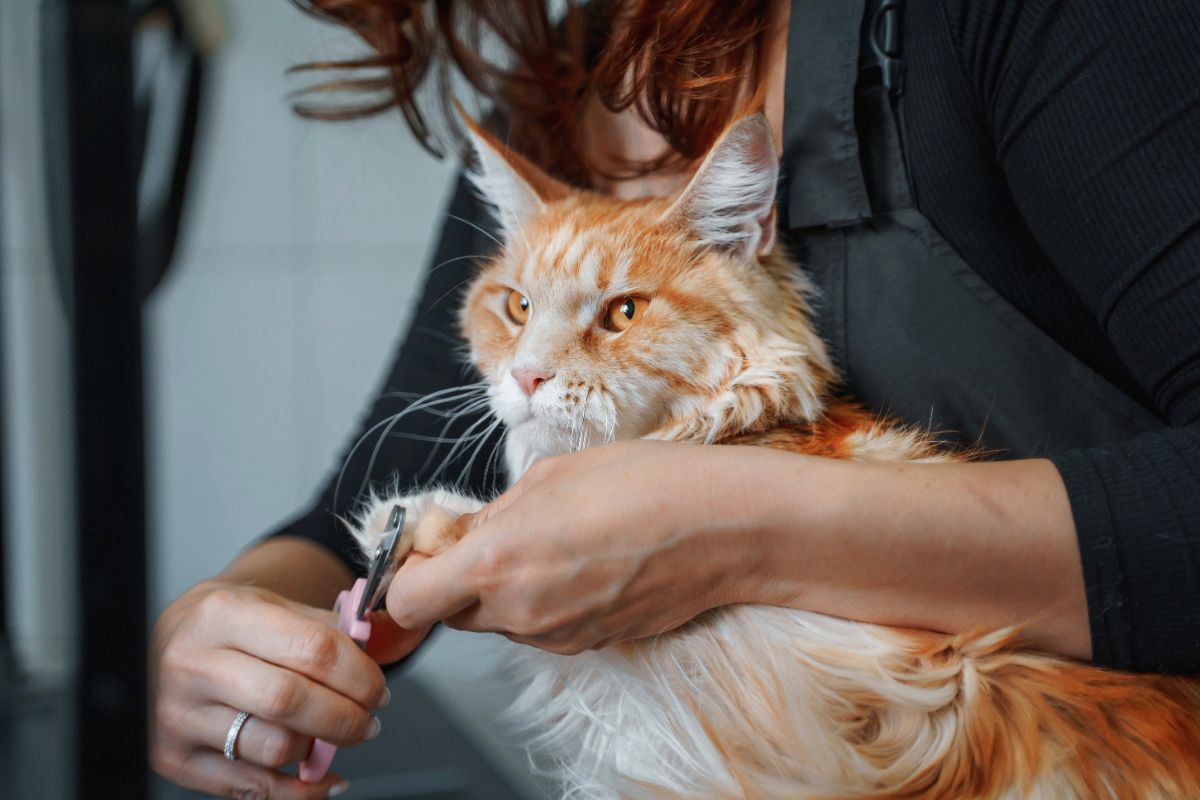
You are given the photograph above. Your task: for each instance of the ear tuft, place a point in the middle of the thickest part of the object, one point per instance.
(510, 184)
(730, 201)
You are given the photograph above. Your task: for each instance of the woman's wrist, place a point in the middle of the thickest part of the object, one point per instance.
(950, 547)
(747, 509)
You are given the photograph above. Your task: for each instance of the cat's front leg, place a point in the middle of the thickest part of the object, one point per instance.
(433, 521)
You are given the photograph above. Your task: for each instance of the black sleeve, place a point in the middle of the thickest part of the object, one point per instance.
(1094, 111)
(430, 359)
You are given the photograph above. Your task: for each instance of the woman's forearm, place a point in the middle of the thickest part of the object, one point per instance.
(297, 569)
(948, 547)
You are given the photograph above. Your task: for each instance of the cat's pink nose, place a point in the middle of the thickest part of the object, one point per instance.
(530, 379)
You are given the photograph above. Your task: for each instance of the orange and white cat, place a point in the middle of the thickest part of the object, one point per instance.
(683, 319)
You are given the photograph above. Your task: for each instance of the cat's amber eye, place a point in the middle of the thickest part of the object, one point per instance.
(518, 307)
(623, 312)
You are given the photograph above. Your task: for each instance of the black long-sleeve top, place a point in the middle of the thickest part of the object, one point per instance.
(1056, 145)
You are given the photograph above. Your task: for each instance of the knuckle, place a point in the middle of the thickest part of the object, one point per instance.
(352, 727)
(166, 718)
(528, 620)
(218, 603)
(276, 749)
(526, 625)
(375, 687)
(250, 789)
(176, 659)
(492, 565)
(318, 651)
(281, 699)
(167, 762)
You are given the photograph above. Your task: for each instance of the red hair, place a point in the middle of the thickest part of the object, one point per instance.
(684, 66)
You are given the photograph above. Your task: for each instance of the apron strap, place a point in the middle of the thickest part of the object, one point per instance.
(846, 76)
(824, 179)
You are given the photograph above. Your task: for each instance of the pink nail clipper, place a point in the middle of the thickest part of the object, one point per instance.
(352, 606)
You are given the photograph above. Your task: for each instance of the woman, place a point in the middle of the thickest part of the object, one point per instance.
(1002, 210)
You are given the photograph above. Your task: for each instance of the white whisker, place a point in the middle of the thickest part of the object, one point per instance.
(442, 396)
(449, 261)
(483, 438)
(387, 431)
(457, 448)
(475, 406)
(477, 227)
(493, 462)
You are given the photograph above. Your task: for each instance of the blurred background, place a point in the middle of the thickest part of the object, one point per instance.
(274, 264)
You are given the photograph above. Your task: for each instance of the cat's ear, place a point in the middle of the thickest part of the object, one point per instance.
(730, 201)
(511, 184)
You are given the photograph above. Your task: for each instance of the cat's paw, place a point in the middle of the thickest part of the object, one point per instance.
(432, 522)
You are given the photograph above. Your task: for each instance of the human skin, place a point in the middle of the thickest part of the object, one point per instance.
(631, 539)
(258, 638)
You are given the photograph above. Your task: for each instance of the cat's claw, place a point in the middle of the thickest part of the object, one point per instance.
(433, 522)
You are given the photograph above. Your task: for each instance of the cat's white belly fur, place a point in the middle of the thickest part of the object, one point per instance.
(745, 702)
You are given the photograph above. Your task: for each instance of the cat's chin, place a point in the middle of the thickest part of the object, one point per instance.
(537, 437)
(553, 436)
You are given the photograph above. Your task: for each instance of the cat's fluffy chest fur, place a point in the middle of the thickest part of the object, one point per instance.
(680, 319)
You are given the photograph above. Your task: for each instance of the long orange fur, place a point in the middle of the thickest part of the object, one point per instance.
(1024, 724)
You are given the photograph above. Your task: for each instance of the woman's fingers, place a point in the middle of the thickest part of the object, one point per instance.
(314, 649)
(210, 772)
(223, 648)
(287, 698)
(431, 589)
(259, 742)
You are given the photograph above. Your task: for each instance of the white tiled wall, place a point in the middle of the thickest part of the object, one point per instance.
(303, 245)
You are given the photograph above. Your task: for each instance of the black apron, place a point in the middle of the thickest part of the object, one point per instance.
(914, 330)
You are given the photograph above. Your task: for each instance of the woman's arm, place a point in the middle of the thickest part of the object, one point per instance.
(1092, 113)
(297, 569)
(950, 547)
(632, 539)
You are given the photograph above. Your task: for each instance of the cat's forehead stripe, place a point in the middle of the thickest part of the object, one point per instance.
(555, 249)
(574, 253)
(589, 267)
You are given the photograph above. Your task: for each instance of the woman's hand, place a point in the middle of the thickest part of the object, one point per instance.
(632, 539)
(223, 647)
(609, 544)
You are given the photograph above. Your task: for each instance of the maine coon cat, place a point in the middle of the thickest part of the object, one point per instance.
(683, 319)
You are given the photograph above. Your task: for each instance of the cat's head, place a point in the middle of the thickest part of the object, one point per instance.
(675, 317)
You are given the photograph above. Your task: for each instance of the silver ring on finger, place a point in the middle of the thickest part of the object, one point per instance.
(231, 738)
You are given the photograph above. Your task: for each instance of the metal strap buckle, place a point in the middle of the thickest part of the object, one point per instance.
(880, 59)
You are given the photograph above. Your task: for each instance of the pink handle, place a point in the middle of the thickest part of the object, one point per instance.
(313, 768)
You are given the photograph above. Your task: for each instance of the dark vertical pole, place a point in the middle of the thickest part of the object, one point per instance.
(5, 645)
(5, 653)
(107, 341)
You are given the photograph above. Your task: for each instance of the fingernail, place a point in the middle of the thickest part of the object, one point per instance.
(374, 728)
(387, 697)
(338, 789)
